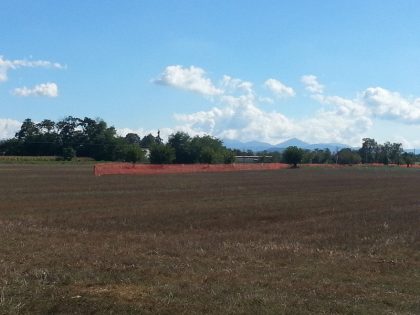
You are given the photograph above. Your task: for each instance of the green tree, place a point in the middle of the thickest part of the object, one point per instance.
(132, 138)
(134, 154)
(207, 149)
(396, 151)
(69, 154)
(408, 158)
(368, 151)
(32, 139)
(292, 155)
(11, 147)
(98, 141)
(69, 135)
(162, 154)
(181, 143)
(27, 130)
(46, 126)
(307, 157)
(48, 141)
(149, 140)
(228, 157)
(384, 152)
(322, 156)
(348, 156)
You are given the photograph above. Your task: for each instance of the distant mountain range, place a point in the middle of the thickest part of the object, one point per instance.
(258, 146)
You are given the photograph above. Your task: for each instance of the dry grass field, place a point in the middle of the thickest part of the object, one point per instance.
(303, 241)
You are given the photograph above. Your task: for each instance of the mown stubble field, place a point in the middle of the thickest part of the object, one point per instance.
(304, 241)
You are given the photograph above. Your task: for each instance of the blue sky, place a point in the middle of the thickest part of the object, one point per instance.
(322, 71)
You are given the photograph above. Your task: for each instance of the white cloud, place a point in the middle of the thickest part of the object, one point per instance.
(241, 119)
(406, 144)
(334, 126)
(264, 99)
(237, 113)
(188, 78)
(311, 84)
(234, 85)
(238, 116)
(376, 102)
(6, 65)
(8, 128)
(391, 105)
(45, 89)
(344, 106)
(279, 89)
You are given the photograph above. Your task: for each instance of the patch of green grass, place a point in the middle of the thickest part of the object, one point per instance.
(42, 160)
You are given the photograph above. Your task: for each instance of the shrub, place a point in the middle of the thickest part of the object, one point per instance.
(161, 154)
(69, 154)
(134, 154)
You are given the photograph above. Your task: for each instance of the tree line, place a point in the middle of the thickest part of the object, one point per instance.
(370, 152)
(87, 137)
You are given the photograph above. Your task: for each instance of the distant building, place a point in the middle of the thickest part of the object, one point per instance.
(253, 158)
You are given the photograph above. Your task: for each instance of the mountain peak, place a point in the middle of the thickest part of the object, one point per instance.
(292, 142)
(257, 146)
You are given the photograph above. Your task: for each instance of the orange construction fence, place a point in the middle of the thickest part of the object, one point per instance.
(144, 169)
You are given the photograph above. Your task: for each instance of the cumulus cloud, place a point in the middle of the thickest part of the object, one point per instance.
(241, 118)
(8, 128)
(311, 84)
(6, 65)
(188, 78)
(376, 102)
(234, 85)
(344, 106)
(264, 99)
(279, 89)
(45, 89)
(237, 113)
(391, 105)
(406, 144)
(335, 126)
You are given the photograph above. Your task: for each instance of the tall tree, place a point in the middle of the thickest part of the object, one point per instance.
(132, 138)
(68, 133)
(396, 151)
(293, 155)
(148, 141)
(181, 143)
(348, 156)
(27, 130)
(162, 154)
(369, 150)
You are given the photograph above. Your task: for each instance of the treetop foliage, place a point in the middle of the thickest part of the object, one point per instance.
(293, 155)
(93, 138)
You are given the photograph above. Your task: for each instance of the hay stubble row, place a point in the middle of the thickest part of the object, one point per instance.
(291, 241)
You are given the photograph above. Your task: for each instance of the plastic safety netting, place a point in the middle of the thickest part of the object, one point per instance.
(144, 169)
